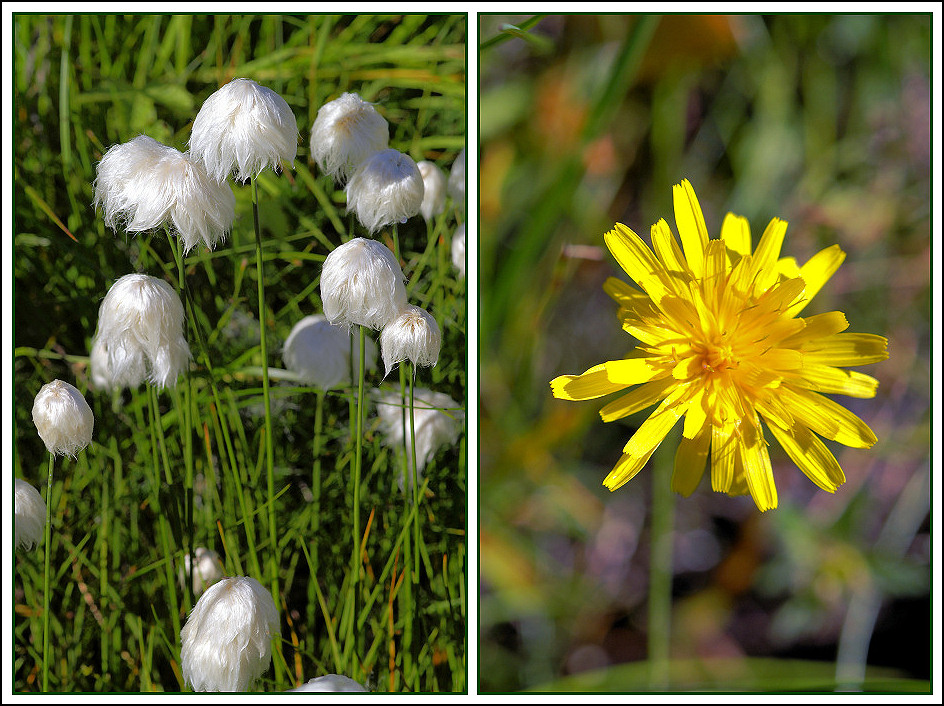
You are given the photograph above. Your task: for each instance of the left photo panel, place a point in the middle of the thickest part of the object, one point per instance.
(240, 315)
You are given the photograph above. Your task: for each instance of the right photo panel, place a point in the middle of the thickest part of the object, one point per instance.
(705, 353)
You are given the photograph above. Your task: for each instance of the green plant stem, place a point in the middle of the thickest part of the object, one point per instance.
(316, 476)
(660, 569)
(359, 448)
(415, 479)
(274, 561)
(46, 558)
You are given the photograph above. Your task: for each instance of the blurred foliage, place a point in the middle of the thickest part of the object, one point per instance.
(85, 82)
(823, 120)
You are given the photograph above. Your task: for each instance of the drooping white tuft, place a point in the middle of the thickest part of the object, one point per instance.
(29, 515)
(414, 336)
(437, 419)
(456, 186)
(141, 184)
(346, 132)
(332, 683)
(226, 643)
(362, 283)
(386, 188)
(434, 190)
(458, 250)
(320, 353)
(243, 128)
(63, 418)
(140, 334)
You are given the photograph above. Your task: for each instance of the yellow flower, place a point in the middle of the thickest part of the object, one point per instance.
(721, 344)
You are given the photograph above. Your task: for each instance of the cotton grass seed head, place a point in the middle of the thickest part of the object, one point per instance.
(242, 129)
(386, 188)
(331, 683)
(413, 336)
(320, 353)
(142, 184)
(346, 132)
(456, 186)
(29, 515)
(362, 283)
(437, 419)
(63, 418)
(458, 250)
(207, 569)
(226, 643)
(140, 334)
(434, 189)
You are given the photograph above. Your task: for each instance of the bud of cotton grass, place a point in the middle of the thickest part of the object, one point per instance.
(331, 683)
(207, 569)
(386, 188)
(29, 515)
(434, 189)
(458, 250)
(63, 418)
(226, 643)
(140, 334)
(414, 336)
(437, 419)
(456, 187)
(143, 184)
(346, 132)
(362, 283)
(243, 128)
(320, 353)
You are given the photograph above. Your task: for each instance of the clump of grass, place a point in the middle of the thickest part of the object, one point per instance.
(170, 470)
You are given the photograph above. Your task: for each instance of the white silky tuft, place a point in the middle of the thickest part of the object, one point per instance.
(362, 283)
(320, 353)
(456, 185)
(414, 335)
(243, 128)
(434, 190)
(331, 683)
(141, 184)
(140, 335)
(346, 132)
(29, 515)
(386, 188)
(437, 419)
(226, 643)
(458, 250)
(63, 418)
(207, 569)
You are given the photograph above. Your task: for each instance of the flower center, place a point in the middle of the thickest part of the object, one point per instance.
(717, 355)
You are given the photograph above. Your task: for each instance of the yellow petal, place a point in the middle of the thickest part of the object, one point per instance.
(736, 234)
(836, 381)
(643, 396)
(767, 254)
(818, 326)
(636, 259)
(847, 349)
(811, 456)
(757, 470)
(723, 455)
(691, 225)
(630, 371)
(816, 272)
(827, 418)
(592, 384)
(690, 461)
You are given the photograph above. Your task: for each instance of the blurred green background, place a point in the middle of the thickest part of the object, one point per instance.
(586, 120)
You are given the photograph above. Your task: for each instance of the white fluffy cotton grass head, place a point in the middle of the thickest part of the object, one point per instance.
(242, 129)
(207, 569)
(434, 189)
(331, 683)
(456, 186)
(414, 336)
(140, 334)
(346, 131)
(362, 283)
(320, 353)
(437, 419)
(63, 418)
(386, 188)
(458, 250)
(142, 184)
(226, 643)
(29, 515)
